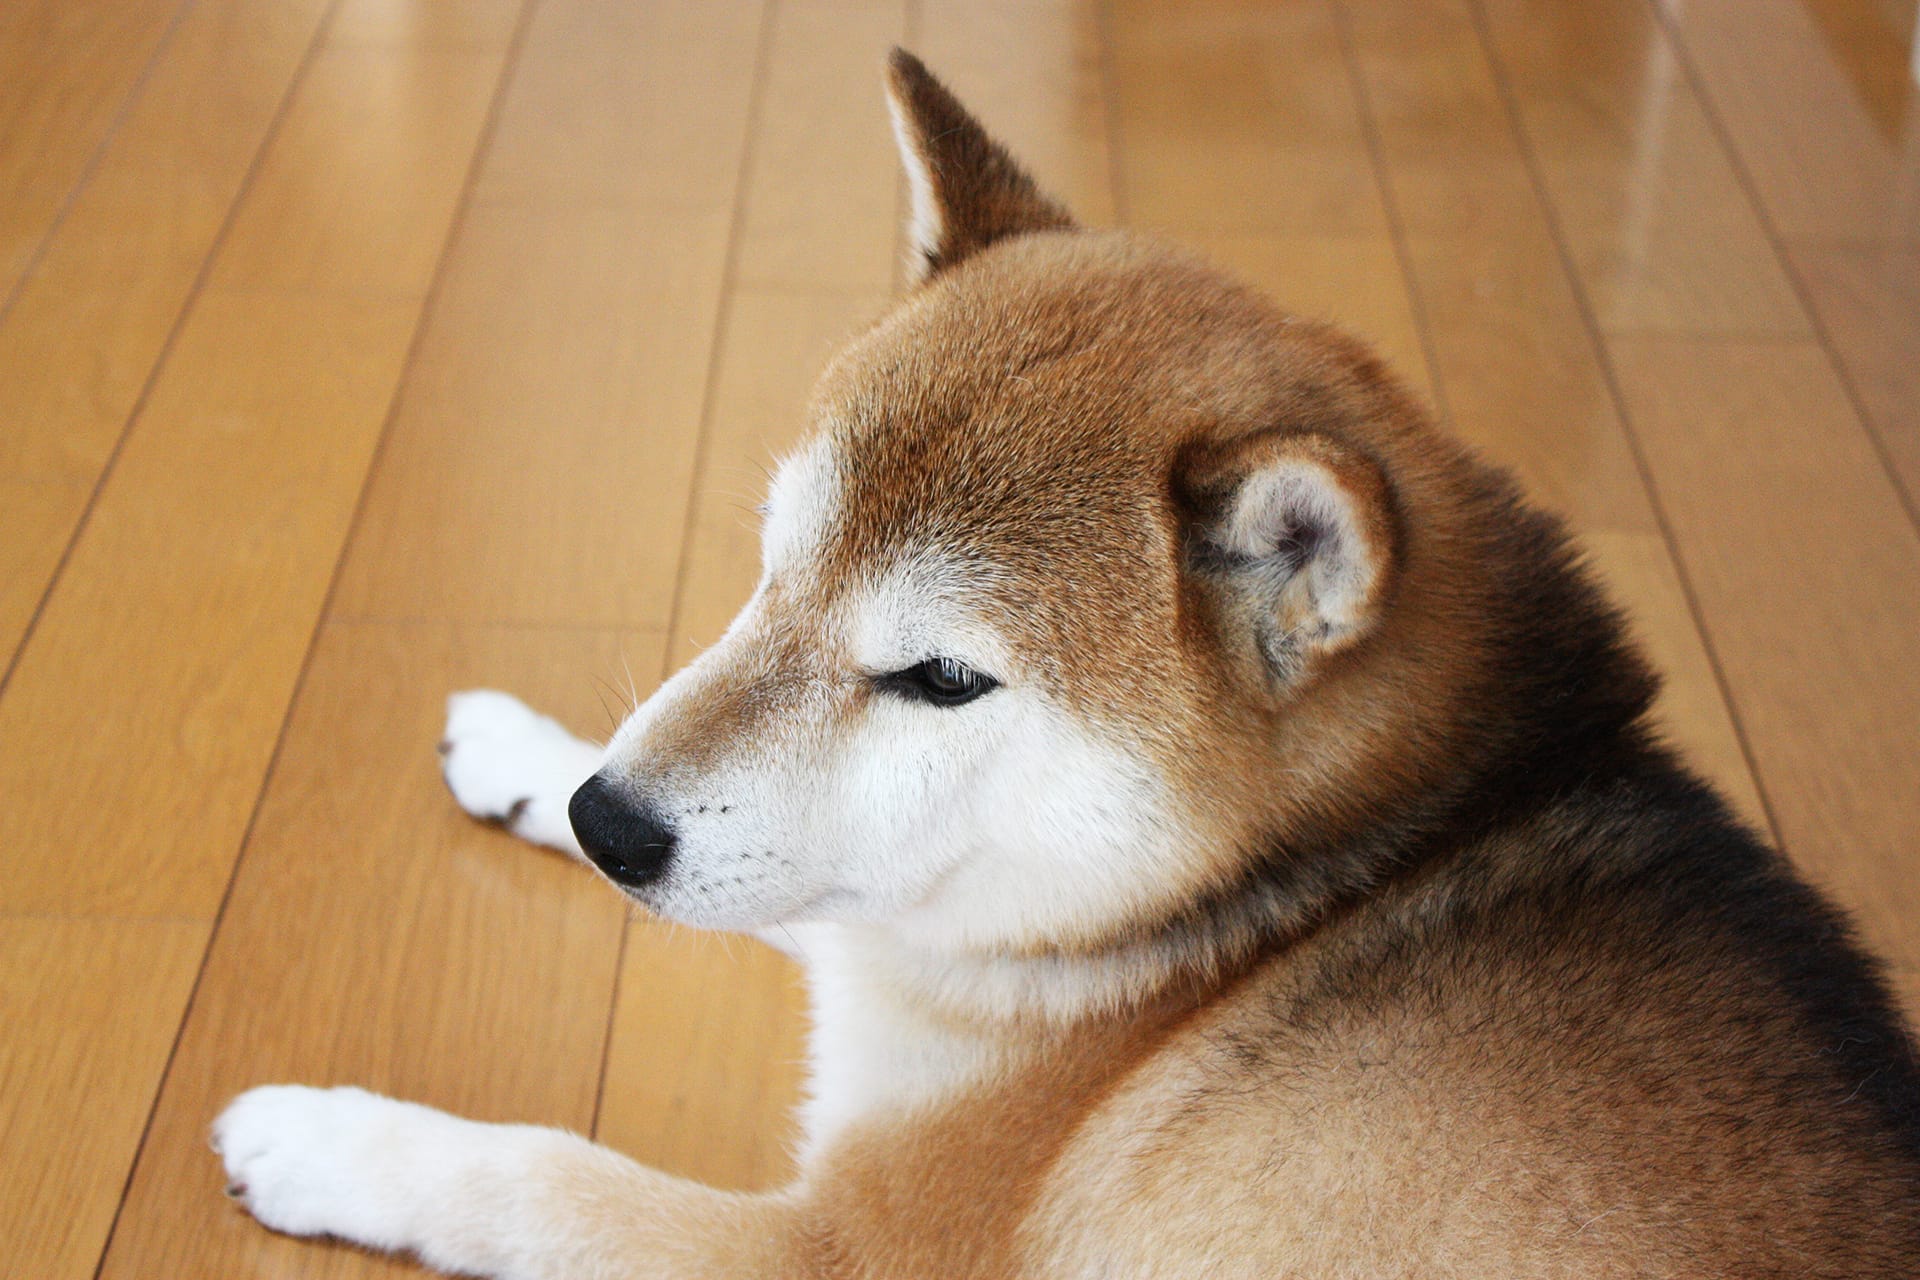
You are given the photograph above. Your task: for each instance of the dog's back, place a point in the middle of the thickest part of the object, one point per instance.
(1615, 1038)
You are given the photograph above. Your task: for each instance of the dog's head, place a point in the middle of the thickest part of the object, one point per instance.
(1095, 577)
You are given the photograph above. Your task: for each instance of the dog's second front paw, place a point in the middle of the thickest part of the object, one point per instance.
(317, 1161)
(507, 763)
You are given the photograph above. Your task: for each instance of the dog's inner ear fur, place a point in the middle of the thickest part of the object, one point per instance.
(1298, 530)
(967, 192)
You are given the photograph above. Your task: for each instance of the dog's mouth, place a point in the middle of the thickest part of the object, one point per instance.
(736, 903)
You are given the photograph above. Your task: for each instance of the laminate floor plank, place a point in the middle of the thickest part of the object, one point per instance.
(540, 459)
(90, 1009)
(545, 447)
(1868, 300)
(140, 719)
(822, 142)
(1656, 219)
(86, 330)
(66, 72)
(707, 1059)
(1808, 574)
(634, 106)
(1452, 166)
(1825, 162)
(377, 936)
(1356, 282)
(1238, 117)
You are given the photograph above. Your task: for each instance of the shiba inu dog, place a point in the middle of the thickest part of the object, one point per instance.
(1221, 825)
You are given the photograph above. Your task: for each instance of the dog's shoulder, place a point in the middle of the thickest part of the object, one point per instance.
(1607, 1034)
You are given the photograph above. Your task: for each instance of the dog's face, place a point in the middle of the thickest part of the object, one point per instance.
(1041, 591)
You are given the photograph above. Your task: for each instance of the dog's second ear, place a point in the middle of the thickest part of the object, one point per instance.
(967, 191)
(1299, 531)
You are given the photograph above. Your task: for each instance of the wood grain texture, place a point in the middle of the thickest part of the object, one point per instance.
(1826, 164)
(1452, 166)
(1808, 572)
(181, 157)
(1521, 377)
(84, 333)
(357, 192)
(1653, 211)
(36, 517)
(707, 1058)
(1355, 282)
(1237, 117)
(541, 453)
(1868, 300)
(185, 610)
(547, 436)
(139, 723)
(399, 24)
(221, 525)
(66, 70)
(628, 105)
(1693, 711)
(90, 1009)
(378, 936)
(821, 142)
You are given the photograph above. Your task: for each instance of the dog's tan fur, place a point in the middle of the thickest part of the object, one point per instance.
(1450, 971)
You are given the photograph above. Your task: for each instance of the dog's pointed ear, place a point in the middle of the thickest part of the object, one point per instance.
(967, 191)
(1298, 533)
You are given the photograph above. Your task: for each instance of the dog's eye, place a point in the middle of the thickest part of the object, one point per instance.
(945, 682)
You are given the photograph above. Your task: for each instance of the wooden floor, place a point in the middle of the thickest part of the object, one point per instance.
(356, 351)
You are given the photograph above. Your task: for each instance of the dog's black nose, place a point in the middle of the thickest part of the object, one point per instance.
(624, 838)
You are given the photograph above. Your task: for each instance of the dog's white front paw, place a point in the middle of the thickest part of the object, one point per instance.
(393, 1175)
(319, 1161)
(507, 763)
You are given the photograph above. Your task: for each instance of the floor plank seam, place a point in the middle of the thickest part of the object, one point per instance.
(1603, 357)
(1110, 115)
(1390, 205)
(165, 353)
(94, 157)
(729, 274)
(509, 61)
(1697, 80)
(307, 58)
